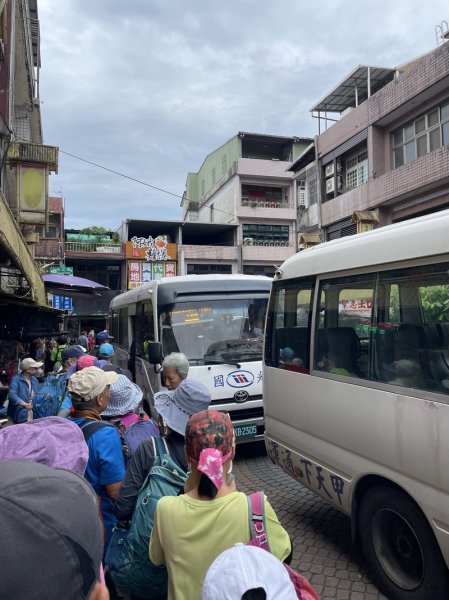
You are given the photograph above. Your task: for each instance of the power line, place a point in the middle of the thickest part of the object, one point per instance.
(121, 174)
(89, 162)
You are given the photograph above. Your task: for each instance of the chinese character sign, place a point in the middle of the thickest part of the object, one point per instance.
(150, 249)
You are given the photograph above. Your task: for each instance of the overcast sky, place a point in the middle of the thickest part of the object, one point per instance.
(148, 88)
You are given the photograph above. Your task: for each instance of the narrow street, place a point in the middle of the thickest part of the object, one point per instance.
(321, 535)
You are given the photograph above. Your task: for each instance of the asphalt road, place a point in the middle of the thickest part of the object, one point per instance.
(321, 535)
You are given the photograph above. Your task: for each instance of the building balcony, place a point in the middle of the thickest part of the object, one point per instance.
(93, 250)
(266, 210)
(25, 152)
(276, 169)
(210, 253)
(268, 252)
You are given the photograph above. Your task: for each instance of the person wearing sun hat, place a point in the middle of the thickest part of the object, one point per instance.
(126, 397)
(243, 568)
(90, 393)
(22, 389)
(191, 530)
(175, 407)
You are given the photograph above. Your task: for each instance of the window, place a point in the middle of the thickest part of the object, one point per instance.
(301, 193)
(267, 270)
(211, 213)
(123, 328)
(267, 235)
(207, 269)
(214, 177)
(224, 163)
(356, 170)
(202, 187)
(425, 134)
(288, 337)
(388, 326)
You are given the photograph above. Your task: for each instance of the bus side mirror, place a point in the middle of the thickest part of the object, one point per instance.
(155, 353)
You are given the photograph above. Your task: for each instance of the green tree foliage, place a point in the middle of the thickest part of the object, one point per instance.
(435, 303)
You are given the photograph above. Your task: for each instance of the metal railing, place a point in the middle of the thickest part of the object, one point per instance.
(272, 243)
(270, 204)
(97, 247)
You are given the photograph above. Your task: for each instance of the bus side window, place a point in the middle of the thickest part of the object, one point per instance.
(289, 336)
(343, 343)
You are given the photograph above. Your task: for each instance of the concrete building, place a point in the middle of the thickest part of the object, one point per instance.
(245, 184)
(386, 157)
(25, 165)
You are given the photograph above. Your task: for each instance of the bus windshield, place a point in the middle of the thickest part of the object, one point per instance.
(214, 331)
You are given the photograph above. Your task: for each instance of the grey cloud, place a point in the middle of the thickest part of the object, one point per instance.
(149, 87)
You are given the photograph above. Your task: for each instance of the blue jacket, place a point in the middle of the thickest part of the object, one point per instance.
(19, 391)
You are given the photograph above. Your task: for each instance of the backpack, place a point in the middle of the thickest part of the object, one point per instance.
(48, 399)
(127, 555)
(137, 432)
(303, 588)
(58, 357)
(89, 427)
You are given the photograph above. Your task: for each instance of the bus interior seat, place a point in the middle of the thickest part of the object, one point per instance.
(343, 343)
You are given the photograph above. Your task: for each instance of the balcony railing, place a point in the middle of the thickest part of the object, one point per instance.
(26, 152)
(93, 247)
(272, 243)
(269, 204)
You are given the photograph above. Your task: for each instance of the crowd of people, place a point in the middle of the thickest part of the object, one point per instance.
(70, 480)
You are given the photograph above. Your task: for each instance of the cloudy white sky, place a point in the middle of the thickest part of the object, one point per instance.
(149, 87)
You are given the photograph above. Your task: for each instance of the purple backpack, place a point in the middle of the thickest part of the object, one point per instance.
(137, 432)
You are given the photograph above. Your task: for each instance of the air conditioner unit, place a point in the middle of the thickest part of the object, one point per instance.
(330, 186)
(248, 241)
(329, 170)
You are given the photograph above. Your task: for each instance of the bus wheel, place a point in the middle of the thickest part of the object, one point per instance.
(400, 547)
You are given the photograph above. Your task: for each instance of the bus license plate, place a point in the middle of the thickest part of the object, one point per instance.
(247, 430)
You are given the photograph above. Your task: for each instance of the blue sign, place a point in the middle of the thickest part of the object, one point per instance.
(62, 302)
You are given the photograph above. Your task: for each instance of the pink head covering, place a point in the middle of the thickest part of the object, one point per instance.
(210, 440)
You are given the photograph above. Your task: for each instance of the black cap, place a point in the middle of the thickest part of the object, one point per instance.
(51, 539)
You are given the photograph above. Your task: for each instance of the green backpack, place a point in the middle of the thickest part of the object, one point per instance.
(127, 555)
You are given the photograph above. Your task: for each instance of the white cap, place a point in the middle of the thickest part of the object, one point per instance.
(243, 568)
(30, 363)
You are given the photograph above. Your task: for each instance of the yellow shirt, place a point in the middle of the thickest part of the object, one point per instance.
(188, 535)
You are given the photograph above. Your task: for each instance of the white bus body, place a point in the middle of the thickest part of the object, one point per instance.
(215, 321)
(356, 392)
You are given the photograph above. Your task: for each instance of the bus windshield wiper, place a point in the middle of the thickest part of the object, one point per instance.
(224, 361)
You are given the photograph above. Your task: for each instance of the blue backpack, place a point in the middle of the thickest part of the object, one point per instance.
(49, 397)
(127, 555)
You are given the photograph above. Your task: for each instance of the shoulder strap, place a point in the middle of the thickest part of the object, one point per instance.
(256, 512)
(89, 427)
(160, 448)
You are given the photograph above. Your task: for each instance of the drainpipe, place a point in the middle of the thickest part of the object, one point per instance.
(319, 188)
(239, 250)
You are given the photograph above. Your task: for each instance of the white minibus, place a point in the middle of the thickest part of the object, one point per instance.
(217, 321)
(356, 393)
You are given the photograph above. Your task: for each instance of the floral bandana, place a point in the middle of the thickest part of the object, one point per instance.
(211, 464)
(209, 441)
